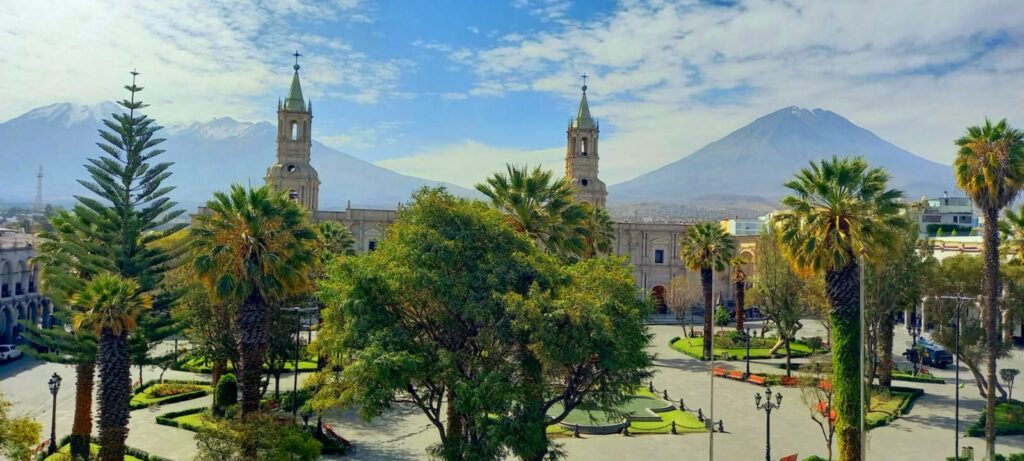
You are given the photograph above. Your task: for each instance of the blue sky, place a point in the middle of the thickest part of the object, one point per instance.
(452, 90)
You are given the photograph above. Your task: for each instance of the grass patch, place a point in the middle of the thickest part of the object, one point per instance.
(156, 393)
(94, 451)
(694, 348)
(920, 378)
(886, 408)
(635, 405)
(131, 453)
(200, 365)
(1009, 420)
(191, 419)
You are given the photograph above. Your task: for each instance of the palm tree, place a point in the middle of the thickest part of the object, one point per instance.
(739, 280)
(540, 206)
(1011, 235)
(253, 247)
(989, 167)
(335, 238)
(109, 306)
(841, 209)
(707, 248)
(598, 231)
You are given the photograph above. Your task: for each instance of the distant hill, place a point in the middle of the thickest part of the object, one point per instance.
(750, 165)
(208, 157)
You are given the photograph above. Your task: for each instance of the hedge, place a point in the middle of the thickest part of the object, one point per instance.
(1002, 427)
(902, 409)
(143, 455)
(921, 378)
(167, 419)
(173, 398)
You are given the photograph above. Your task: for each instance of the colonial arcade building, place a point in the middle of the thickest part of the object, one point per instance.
(19, 286)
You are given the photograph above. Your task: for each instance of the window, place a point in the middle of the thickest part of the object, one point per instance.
(583, 147)
(292, 168)
(659, 256)
(584, 182)
(372, 245)
(295, 131)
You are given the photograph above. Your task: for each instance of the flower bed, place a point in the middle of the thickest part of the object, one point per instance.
(886, 410)
(157, 393)
(131, 454)
(694, 348)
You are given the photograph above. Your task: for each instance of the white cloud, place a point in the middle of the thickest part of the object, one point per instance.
(915, 72)
(469, 162)
(198, 59)
(362, 138)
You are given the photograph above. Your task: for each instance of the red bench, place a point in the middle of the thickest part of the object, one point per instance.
(759, 380)
(788, 458)
(718, 371)
(790, 381)
(736, 374)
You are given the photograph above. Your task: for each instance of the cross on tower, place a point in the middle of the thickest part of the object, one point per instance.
(584, 77)
(297, 55)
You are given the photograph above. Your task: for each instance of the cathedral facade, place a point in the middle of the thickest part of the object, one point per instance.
(651, 248)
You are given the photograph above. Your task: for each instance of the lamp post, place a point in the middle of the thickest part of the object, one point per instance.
(956, 330)
(746, 335)
(768, 406)
(54, 387)
(298, 334)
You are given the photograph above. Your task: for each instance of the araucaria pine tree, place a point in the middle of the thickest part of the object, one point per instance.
(114, 230)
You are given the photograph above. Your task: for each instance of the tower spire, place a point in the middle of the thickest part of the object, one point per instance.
(583, 118)
(295, 101)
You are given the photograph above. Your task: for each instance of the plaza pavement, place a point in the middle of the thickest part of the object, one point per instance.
(925, 433)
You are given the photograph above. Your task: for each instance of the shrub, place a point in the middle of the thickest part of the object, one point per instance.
(814, 342)
(814, 458)
(227, 392)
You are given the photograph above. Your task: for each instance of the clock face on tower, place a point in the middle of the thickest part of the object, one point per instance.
(292, 168)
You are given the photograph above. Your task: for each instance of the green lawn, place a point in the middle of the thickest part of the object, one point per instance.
(148, 397)
(636, 404)
(694, 348)
(886, 408)
(1009, 420)
(920, 378)
(199, 365)
(93, 448)
(193, 420)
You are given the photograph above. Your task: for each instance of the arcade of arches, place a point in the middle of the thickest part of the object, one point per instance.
(19, 291)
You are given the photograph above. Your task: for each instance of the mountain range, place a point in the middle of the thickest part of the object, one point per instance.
(207, 157)
(744, 170)
(752, 163)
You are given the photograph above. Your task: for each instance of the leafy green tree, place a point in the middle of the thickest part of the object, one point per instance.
(989, 167)
(841, 209)
(18, 435)
(335, 238)
(152, 330)
(252, 248)
(280, 346)
(231, 440)
(598, 231)
(1009, 375)
(739, 281)
(117, 229)
(892, 284)
(1011, 234)
(722, 317)
(541, 206)
(707, 248)
(780, 293)
(109, 306)
(227, 393)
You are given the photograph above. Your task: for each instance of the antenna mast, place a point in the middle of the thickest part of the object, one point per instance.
(38, 205)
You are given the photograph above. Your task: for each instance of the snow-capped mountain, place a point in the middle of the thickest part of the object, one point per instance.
(755, 161)
(207, 157)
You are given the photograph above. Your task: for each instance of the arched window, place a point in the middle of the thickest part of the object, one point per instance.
(295, 131)
(583, 147)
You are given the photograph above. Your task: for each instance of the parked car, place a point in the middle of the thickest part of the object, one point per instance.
(933, 355)
(8, 352)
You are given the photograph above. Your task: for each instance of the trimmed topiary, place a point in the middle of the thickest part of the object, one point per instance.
(227, 392)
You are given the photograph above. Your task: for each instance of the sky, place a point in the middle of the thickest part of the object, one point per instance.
(453, 90)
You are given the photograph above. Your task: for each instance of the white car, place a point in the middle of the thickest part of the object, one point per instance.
(9, 352)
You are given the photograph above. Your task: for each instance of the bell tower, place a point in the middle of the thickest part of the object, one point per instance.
(293, 172)
(581, 155)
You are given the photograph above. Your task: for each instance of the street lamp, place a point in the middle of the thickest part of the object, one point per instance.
(956, 331)
(298, 332)
(54, 387)
(746, 335)
(768, 406)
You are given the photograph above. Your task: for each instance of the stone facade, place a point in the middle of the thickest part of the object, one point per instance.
(19, 286)
(652, 248)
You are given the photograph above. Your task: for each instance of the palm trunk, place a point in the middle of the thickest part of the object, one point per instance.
(115, 394)
(216, 372)
(990, 298)
(740, 302)
(81, 429)
(705, 283)
(843, 291)
(789, 360)
(885, 334)
(251, 339)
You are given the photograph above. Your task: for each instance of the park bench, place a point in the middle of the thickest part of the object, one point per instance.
(759, 380)
(788, 458)
(736, 374)
(718, 371)
(825, 385)
(790, 381)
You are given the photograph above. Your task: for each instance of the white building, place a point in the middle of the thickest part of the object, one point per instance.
(19, 285)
